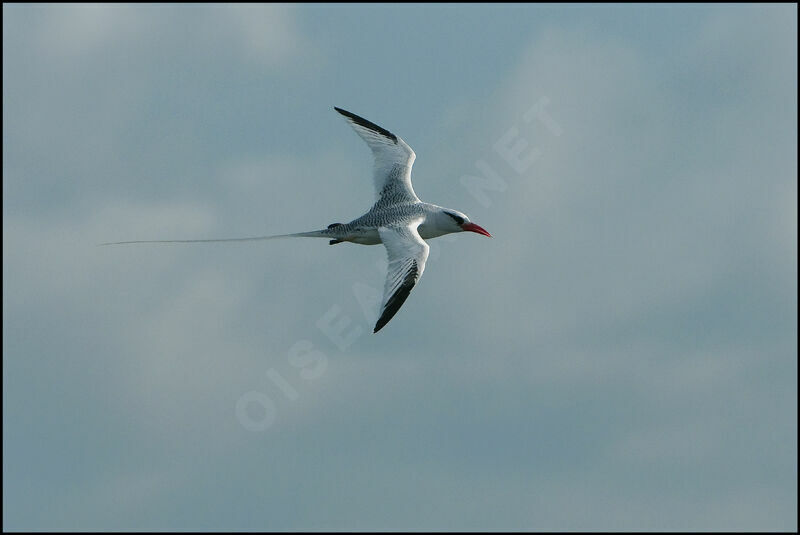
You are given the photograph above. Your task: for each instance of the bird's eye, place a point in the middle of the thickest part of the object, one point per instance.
(459, 220)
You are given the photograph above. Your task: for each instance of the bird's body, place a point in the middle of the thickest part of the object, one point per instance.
(364, 230)
(398, 219)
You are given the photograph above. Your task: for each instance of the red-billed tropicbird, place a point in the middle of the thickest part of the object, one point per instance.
(398, 219)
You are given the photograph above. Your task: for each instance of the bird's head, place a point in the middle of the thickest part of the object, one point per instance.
(455, 221)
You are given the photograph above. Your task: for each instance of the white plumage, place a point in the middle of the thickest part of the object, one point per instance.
(398, 219)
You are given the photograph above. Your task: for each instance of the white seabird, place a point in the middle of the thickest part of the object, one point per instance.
(398, 219)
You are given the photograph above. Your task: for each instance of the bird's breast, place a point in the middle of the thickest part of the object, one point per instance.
(364, 237)
(427, 232)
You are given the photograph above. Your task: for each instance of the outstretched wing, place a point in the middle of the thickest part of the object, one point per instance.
(393, 160)
(407, 255)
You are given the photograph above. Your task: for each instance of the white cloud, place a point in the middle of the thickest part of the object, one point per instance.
(268, 33)
(604, 362)
(72, 32)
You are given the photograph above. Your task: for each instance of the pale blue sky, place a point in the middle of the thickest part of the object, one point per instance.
(620, 356)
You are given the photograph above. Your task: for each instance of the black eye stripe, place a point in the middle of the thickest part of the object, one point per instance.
(458, 219)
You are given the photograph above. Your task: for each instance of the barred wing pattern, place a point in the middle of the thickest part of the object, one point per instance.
(407, 255)
(393, 160)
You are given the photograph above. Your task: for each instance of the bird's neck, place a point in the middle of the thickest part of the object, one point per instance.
(430, 227)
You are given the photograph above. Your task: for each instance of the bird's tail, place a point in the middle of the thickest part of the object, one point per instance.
(312, 234)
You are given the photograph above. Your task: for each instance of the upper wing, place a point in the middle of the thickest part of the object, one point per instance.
(393, 160)
(407, 255)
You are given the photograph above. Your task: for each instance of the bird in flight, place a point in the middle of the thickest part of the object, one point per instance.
(398, 219)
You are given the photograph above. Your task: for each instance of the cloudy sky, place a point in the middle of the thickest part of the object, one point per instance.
(621, 355)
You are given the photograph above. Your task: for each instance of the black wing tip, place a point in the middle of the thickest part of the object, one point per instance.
(398, 298)
(383, 321)
(366, 124)
(346, 113)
